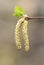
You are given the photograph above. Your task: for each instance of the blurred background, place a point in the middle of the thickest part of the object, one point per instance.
(9, 55)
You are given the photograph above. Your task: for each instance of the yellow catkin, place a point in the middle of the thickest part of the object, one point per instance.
(17, 33)
(25, 35)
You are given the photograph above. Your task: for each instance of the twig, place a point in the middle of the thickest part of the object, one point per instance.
(30, 18)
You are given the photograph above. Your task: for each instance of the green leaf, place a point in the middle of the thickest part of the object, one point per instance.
(18, 11)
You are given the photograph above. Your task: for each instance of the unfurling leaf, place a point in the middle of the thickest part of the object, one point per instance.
(18, 11)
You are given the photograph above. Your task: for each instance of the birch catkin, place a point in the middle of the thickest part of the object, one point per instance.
(25, 35)
(17, 33)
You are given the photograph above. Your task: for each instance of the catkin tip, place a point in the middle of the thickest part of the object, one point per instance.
(26, 48)
(19, 47)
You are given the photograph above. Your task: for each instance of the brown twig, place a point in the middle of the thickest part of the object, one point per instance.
(30, 18)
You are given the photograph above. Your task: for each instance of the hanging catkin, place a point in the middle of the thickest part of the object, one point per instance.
(22, 22)
(17, 33)
(25, 35)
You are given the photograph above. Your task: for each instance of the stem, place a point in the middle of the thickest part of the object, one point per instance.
(30, 18)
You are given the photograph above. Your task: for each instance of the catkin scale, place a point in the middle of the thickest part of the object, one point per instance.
(25, 35)
(17, 33)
